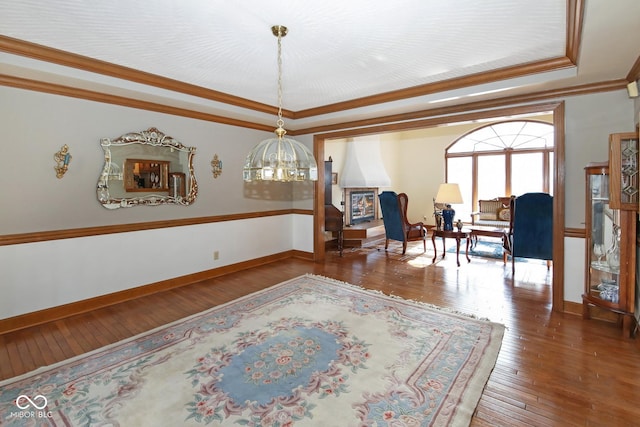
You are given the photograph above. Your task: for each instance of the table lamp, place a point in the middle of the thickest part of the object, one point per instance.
(448, 194)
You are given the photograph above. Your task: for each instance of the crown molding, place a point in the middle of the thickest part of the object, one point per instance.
(575, 11)
(67, 59)
(57, 89)
(634, 73)
(441, 86)
(471, 106)
(73, 92)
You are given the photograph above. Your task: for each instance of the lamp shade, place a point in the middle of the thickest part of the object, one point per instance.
(449, 193)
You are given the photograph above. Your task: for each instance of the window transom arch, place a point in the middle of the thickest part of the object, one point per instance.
(513, 135)
(500, 159)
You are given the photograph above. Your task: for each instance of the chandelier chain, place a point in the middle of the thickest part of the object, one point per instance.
(280, 122)
(280, 159)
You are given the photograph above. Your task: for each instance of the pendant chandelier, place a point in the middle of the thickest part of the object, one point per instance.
(280, 159)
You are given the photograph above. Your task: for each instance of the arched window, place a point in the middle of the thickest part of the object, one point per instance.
(501, 159)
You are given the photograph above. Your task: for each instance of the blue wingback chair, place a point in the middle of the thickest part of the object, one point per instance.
(396, 225)
(530, 232)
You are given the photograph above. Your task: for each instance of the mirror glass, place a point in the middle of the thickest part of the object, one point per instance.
(146, 168)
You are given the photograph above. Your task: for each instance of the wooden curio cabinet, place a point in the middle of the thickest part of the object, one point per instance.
(610, 253)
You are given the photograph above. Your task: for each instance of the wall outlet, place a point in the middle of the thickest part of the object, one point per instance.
(216, 255)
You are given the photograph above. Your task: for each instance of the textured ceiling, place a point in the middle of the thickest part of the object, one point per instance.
(335, 51)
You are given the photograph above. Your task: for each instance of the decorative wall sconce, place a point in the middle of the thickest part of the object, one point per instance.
(62, 157)
(216, 166)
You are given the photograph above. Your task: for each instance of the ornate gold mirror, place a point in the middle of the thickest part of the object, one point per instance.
(146, 168)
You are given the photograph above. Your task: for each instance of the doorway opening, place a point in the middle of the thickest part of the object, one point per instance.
(557, 111)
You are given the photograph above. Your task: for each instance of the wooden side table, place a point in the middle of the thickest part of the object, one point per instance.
(479, 230)
(455, 234)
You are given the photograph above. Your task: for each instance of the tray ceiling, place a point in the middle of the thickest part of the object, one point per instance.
(335, 52)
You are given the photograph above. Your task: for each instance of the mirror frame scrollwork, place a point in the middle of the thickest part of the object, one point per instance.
(112, 172)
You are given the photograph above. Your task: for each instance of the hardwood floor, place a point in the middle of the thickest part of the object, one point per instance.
(553, 369)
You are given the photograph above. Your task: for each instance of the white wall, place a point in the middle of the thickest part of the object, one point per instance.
(35, 125)
(35, 276)
(337, 150)
(421, 172)
(589, 121)
(40, 275)
(574, 272)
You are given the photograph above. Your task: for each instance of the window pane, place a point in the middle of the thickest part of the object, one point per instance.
(459, 172)
(541, 135)
(498, 136)
(526, 173)
(509, 129)
(528, 141)
(488, 145)
(464, 145)
(491, 177)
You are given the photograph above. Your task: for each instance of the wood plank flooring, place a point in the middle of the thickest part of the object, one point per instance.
(553, 369)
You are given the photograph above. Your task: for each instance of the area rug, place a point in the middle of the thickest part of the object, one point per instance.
(311, 351)
(482, 248)
(485, 249)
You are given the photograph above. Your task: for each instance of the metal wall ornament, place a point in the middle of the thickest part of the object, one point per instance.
(216, 166)
(62, 158)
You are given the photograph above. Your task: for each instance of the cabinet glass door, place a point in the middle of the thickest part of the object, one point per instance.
(605, 245)
(610, 252)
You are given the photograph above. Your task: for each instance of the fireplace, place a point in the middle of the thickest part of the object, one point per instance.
(361, 205)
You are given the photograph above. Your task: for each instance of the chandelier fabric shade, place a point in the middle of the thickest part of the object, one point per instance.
(280, 159)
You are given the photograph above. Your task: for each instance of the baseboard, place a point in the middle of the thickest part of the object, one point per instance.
(302, 255)
(595, 313)
(571, 307)
(66, 310)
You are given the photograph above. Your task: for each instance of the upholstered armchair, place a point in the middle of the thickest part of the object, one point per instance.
(530, 232)
(396, 225)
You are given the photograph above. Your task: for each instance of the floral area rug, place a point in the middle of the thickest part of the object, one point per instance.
(311, 351)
